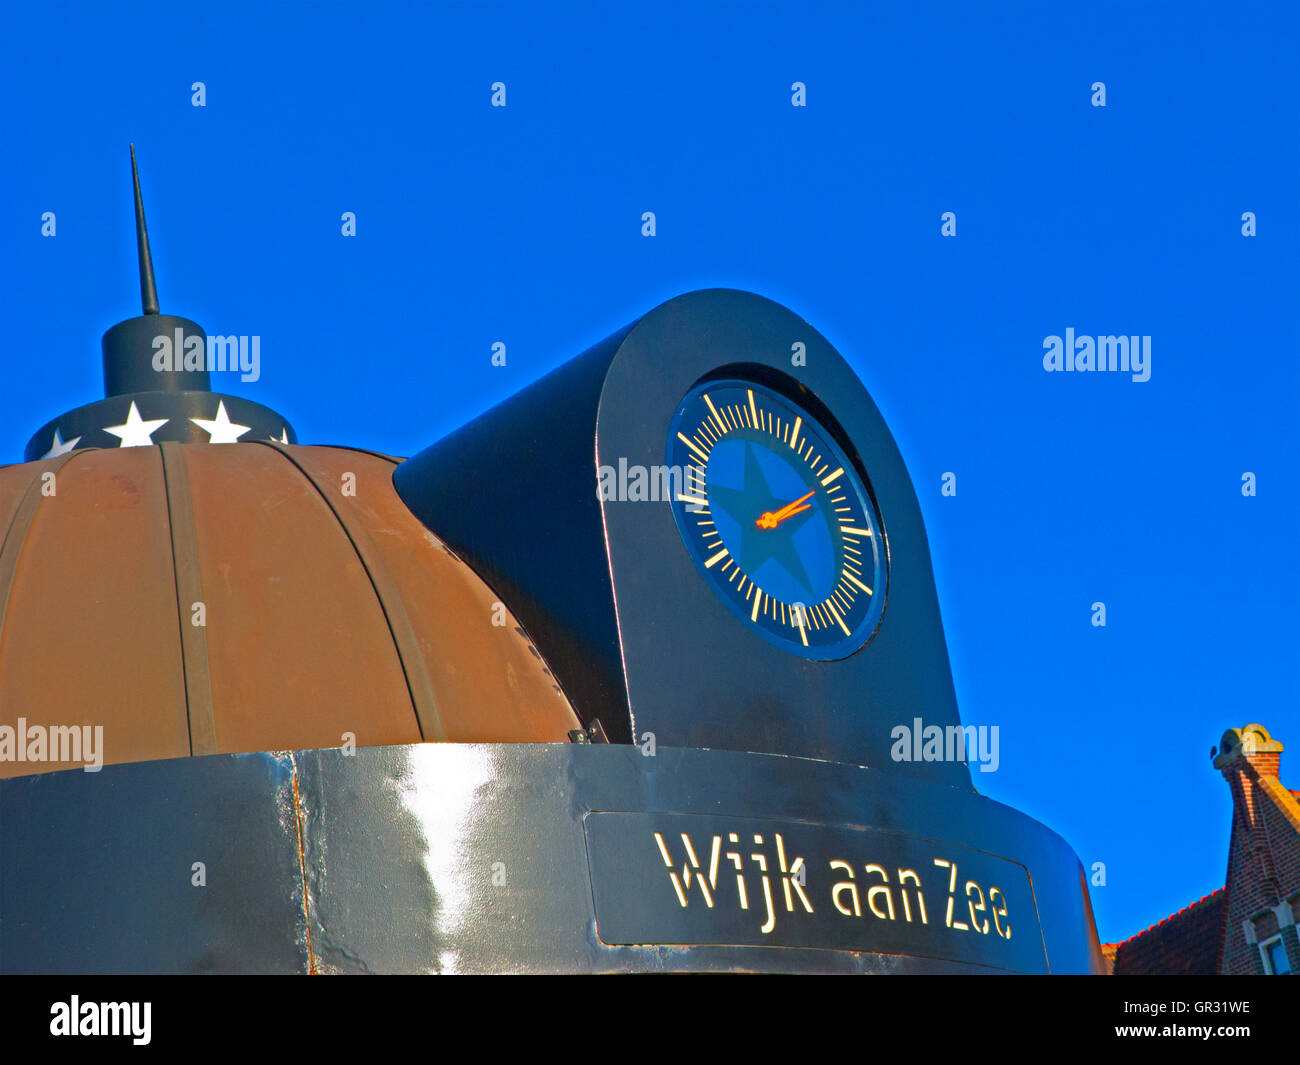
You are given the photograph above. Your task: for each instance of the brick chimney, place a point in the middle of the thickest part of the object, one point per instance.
(1262, 862)
(1251, 745)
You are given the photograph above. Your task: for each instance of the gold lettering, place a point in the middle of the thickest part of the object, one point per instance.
(692, 864)
(846, 885)
(999, 911)
(880, 889)
(970, 905)
(790, 878)
(904, 875)
(961, 926)
(761, 861)
(732, 837)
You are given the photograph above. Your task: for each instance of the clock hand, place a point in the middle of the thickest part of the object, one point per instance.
(793, 508)
(790, 509)
(772, 518)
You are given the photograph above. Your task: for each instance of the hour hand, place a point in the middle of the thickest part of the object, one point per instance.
(770, 519)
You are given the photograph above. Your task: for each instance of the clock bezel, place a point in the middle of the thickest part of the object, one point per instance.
(816, 414)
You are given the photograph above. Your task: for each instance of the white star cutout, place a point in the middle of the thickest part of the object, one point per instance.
(284, 435)
(60, 448)
(221, 430)
(136, 432)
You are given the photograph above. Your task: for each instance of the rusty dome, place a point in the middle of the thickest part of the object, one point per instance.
(175, 568)
(201, 599)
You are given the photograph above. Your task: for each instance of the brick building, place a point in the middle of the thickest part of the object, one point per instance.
(1248, 926)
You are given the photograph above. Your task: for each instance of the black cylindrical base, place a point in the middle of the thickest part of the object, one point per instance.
(148, 354)
(522, 857)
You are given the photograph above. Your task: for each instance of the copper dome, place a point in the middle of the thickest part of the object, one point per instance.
(327, 609)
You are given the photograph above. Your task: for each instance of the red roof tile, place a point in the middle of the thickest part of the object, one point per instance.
(1189, 942)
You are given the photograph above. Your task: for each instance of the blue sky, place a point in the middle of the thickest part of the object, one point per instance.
(523, 225)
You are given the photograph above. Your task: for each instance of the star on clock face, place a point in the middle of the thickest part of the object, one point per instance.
(758, 545)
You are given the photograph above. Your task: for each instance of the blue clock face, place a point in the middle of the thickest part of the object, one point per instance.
(777, 519)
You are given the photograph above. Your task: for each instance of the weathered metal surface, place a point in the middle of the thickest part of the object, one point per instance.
(323, 612)
(475, 858)
(476, 657)
(189, 589)
(297, 639)
(91, 632)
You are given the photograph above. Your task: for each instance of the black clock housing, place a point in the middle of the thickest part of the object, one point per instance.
(635, 637)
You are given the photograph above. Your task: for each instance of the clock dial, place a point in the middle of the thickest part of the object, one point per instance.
(777, 519)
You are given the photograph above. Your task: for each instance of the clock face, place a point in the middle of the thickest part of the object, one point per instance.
(777, 519)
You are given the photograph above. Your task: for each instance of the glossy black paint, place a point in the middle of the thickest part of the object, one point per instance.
(178, 408)
(610, 594)
(128, 350)
(465, 858)
(513, 493)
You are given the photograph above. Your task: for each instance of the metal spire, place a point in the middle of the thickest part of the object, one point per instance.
(148, 287)
(156, 378)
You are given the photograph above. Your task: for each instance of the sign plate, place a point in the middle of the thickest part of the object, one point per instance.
(690, 879)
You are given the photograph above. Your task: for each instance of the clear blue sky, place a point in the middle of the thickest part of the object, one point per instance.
(522, 225)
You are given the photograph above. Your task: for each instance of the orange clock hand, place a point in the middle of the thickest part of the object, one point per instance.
(794, 508)
(770, 519)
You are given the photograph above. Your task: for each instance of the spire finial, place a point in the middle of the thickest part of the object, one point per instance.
(156, 373)
(148, 287)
